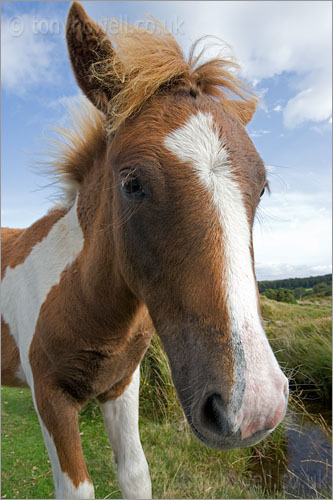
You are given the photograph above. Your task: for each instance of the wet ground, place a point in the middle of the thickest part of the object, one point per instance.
(303, 468)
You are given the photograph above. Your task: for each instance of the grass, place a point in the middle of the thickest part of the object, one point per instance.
(301, 337)
(25, 464)
(180, 466)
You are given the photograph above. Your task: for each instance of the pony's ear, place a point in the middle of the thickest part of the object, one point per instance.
(88, 44)
(243, 110)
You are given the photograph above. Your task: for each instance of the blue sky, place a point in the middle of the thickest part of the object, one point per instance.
(284, 49)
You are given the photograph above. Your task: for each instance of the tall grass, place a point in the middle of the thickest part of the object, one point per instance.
(158, 399)
(301, 336)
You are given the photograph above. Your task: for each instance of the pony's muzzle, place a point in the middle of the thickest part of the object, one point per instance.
(267, 421)
(217, 427)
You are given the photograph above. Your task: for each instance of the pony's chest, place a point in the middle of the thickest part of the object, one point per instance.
(87, 372)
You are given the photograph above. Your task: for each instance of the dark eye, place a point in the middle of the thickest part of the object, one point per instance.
(130, 185)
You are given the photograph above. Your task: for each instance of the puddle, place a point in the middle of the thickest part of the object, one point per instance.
(302, 468)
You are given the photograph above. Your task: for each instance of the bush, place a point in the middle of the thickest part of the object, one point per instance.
(281, 295)
(299, 292)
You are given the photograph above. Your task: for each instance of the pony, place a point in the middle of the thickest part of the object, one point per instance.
(153, 231)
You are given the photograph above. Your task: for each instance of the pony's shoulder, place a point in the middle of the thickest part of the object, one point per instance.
(8, 233)
(16, 244)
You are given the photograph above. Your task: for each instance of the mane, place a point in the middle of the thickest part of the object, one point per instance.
(73, 148)
(145, 62)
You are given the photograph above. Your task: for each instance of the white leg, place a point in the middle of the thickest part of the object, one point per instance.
(121, 417)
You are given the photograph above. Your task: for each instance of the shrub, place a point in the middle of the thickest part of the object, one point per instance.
(281, 295)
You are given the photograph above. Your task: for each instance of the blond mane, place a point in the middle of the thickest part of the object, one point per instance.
(144, 61)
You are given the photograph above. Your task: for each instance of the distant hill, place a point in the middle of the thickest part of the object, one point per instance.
(293, 283)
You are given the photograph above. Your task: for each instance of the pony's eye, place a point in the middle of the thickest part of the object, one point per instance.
(131, 185)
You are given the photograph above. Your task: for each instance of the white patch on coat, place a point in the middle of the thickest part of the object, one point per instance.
(198, 143)
(19, 374)
(121, 417)
(26, 286)
(24, 290)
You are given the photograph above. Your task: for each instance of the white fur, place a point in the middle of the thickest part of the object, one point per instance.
(121, 419)
(198, 143)
(24, 290)
(19, 374)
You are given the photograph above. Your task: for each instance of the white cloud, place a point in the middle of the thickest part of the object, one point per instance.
(295, 236)
(281, 271)
(272, 38)
(26, 58)
(314, 103)
(277, 108)
(323, 127)
(259, 133)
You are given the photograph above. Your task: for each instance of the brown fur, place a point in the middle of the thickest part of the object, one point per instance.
(10, 358)
(69, 368)
(205, 308)
(64, 429)
(115, 391)
(86, 41)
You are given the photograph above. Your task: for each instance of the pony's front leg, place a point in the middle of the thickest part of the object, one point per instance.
(58, 419)
(121, 417)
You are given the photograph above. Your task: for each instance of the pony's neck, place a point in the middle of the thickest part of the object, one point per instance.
(103, 286)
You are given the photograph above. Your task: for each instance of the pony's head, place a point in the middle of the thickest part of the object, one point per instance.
(185, 181)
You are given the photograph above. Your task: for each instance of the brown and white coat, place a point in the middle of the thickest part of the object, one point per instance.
(162, 184)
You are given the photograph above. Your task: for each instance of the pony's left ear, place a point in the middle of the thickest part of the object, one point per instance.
(243, 110)
(88, 44)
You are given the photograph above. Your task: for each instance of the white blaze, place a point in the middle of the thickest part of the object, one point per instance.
(198, 143)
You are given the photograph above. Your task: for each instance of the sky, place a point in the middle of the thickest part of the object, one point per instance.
(285, 53)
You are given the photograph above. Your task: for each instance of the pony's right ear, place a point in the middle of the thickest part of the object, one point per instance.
(243, 110)
(88, 44)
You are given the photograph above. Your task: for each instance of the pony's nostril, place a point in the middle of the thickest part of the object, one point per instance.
(213, 416)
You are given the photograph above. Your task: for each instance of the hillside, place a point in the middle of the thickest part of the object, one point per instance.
(293, 283)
